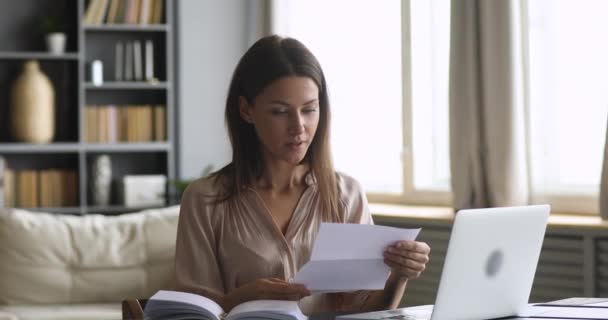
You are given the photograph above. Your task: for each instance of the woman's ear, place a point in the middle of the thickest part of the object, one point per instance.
(245, 110)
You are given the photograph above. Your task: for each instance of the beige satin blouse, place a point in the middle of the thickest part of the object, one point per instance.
(220, 248)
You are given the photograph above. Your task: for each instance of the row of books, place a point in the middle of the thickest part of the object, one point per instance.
(124, 11)
(40, 188)
(132, 62)
(125, 123)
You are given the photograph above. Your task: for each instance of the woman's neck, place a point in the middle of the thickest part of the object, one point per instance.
(282, 177)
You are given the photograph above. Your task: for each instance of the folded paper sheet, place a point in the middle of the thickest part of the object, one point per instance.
(349, 257)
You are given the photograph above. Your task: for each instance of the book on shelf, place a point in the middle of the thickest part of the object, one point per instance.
(9, 187)
(160, 121)
(137, 61)
(124, 12)
(118, 61)
(2, 181)
(181, 305)
(128, 67)
(149, 63)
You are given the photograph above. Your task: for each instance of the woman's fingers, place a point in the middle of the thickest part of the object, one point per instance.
(403, 262)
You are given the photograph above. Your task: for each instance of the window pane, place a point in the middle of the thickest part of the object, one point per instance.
(430, 40)
(568, 64)
(358, 43)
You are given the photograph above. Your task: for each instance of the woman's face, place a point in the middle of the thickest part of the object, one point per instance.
(285, 116)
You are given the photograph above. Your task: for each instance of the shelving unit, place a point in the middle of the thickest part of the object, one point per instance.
(74, 93)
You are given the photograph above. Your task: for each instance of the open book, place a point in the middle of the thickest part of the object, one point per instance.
(175, 305)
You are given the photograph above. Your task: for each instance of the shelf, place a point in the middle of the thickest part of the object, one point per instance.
(67, 210)
(116, 209)
(39, 148)
(38, 55)
(127, 28)
(128, 147)
(135, 85)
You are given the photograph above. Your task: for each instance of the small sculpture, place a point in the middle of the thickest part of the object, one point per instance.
(101, 179)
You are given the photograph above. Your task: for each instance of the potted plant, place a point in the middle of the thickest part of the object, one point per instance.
(53, 29)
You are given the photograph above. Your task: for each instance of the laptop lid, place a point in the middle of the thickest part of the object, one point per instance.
(489, 267)
(490, 262)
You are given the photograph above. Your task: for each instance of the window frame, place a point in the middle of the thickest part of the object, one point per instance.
(409, 195)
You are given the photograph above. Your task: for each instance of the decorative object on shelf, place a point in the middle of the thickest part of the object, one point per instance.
(97, 72)
(101, 180)
(32, 105)
(144, 190)
(53, 29)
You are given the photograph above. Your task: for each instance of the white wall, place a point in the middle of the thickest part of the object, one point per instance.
(211, 37)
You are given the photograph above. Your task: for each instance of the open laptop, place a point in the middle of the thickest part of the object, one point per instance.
(489, 266)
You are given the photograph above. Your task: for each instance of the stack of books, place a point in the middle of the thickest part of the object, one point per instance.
(40, 188)
(126, 123)
(124, 12)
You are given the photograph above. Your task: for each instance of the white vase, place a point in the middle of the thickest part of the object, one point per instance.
(55, 42)
(101, 179)
(32, 113)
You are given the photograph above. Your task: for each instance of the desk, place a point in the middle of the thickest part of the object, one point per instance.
(133, 309)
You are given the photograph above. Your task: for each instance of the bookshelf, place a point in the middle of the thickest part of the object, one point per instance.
(149, 149)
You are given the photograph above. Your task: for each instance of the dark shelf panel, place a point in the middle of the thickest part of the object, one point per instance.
(58, 147)
(38, 56)
(113, 85)
(127, 28)
(128, 147)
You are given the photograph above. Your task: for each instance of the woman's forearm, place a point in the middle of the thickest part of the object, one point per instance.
(389, 298)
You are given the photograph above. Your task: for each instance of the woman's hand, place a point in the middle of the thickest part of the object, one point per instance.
(407, 259)
(264, 289)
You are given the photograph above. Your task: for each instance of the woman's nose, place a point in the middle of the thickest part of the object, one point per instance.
(296, 124)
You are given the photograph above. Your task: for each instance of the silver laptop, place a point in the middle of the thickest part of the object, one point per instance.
(489, 266)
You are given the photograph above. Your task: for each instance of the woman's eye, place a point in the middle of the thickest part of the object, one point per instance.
(310, 110)
(279, 111)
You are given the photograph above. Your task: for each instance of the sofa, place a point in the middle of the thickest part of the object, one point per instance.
(55, 266)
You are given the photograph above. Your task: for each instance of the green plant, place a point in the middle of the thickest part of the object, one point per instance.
(51, 23)
(181, 185)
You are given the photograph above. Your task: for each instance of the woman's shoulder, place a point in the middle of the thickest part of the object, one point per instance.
(348, 185)
(209, 186)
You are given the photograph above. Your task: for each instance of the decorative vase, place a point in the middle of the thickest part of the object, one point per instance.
(55, 42)
(101, 179)
(32, 106)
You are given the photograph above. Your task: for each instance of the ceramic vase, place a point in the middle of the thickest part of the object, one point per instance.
(101, 179)
(32, 112)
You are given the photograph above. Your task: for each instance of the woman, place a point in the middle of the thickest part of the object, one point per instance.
(246, 229)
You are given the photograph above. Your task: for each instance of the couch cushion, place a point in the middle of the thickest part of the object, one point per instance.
(106, 311)
(52, 258)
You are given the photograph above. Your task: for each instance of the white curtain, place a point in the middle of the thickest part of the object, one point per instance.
(487, 119)
(604, 183)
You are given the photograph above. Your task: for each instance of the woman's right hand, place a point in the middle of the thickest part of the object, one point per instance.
(265, 289)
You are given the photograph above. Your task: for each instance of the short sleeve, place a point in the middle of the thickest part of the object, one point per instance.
(354, 200)
(196, 263)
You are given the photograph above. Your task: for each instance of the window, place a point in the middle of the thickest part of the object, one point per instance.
(568, 100)
(389, 104)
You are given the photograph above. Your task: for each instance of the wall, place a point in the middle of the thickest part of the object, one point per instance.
(211, 36)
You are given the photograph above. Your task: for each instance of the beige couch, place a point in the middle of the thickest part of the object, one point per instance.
(81, 267)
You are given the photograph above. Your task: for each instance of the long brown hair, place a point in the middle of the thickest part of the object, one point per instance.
(268, 60)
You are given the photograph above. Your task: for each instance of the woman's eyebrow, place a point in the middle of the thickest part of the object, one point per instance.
(289, 105)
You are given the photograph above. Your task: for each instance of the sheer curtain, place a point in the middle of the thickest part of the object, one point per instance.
(487, 118)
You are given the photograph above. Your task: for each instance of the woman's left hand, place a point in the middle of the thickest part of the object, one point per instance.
(407, 259)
